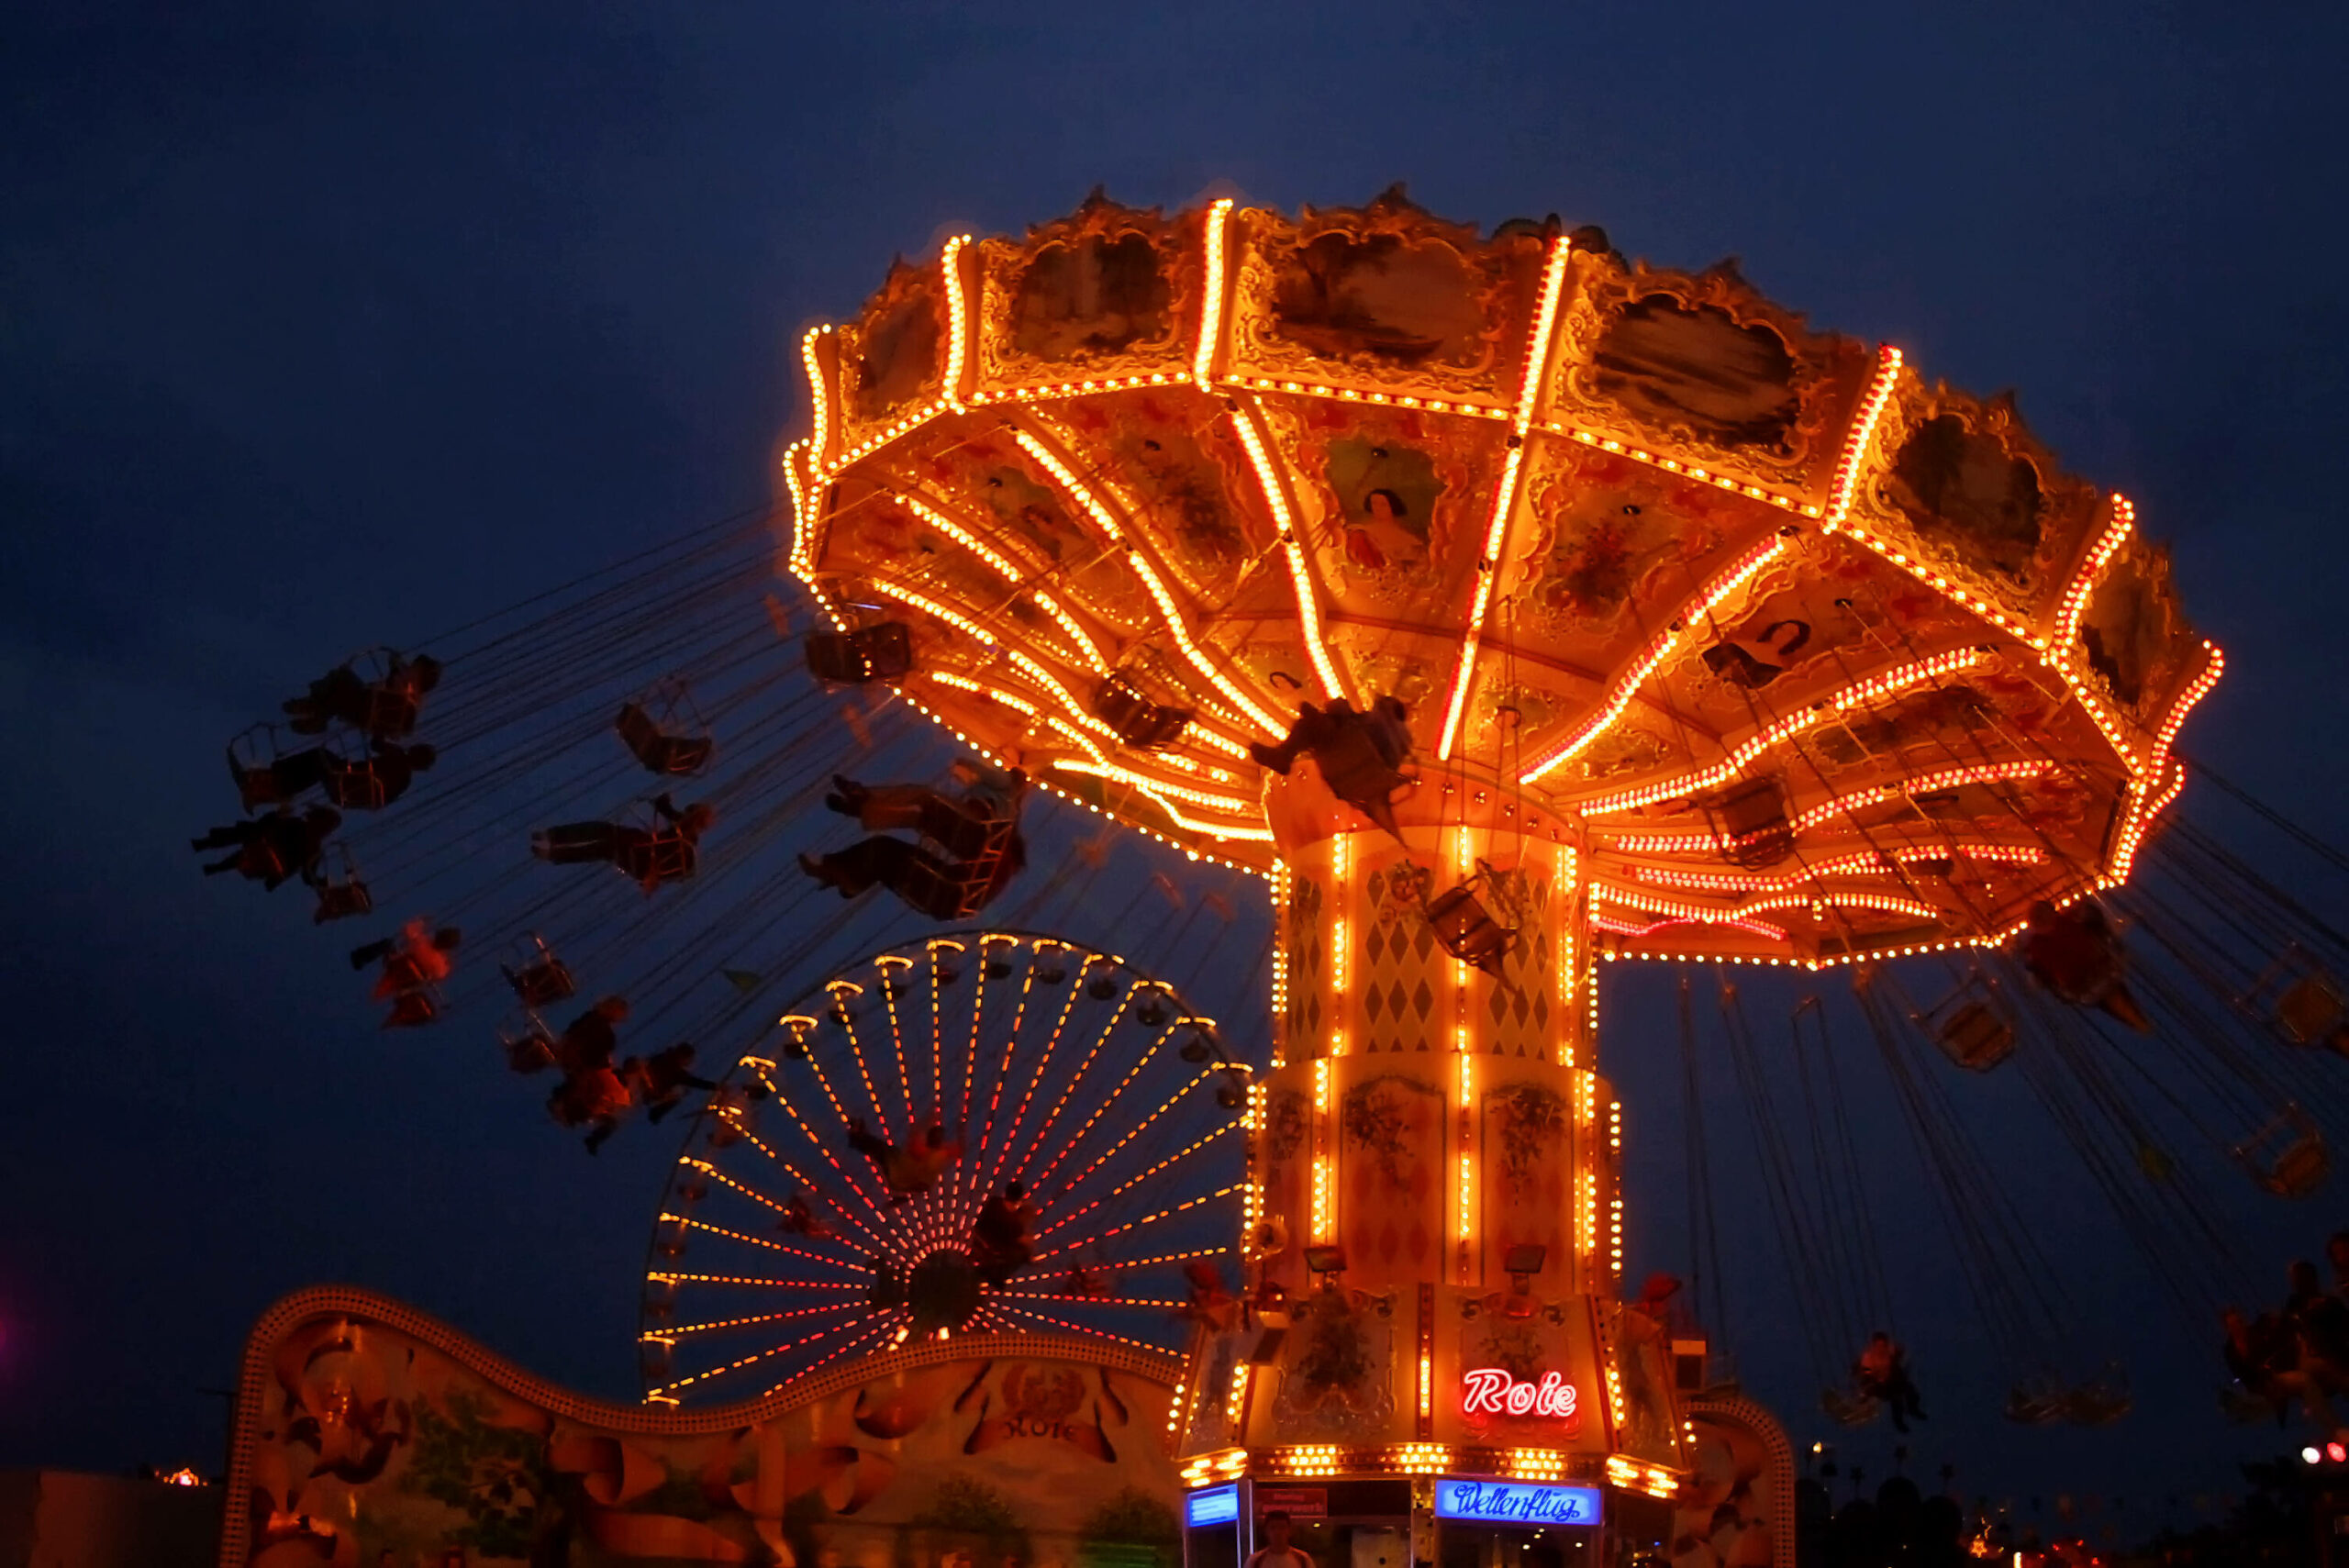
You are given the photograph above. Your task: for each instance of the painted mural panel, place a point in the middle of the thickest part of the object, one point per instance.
(1387, 295)
(373, 1448)
(1391, 1149)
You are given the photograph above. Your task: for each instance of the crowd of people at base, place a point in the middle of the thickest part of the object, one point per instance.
(2300, 1351)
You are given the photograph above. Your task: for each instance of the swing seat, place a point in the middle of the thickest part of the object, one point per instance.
(1847, 1408)
(1751, 823)
(546, 981)
(1136, 720)
(527, 1050)
(412, 1009)
(2029, 1406)
(1467, 932)
(967, 830)
(669, 857)
(1976, 1037)
(341, 892)
(2300, 1162)
(945, 892)
(883, 651)
(663, 752)
(2095, 1405)
(2310, 1010)
(355, 786)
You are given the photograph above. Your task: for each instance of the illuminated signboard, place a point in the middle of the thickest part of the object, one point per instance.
(1515, 1503)
(1490, 1391)
(1216, 1506)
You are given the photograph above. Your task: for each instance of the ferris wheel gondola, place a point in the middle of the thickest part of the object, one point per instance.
(982, 1131)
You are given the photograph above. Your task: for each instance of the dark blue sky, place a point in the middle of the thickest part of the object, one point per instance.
(318, 327)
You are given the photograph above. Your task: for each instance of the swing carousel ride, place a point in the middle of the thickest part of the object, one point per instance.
(1506, 610)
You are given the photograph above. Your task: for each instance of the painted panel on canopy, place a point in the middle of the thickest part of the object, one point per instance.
(1701, 368)
(1174, 464)
(1960, 485)
(1108, 291)
(1609, 549)
(1386, 297)
(893, 356)
(1826, 614)
(1005, 497)
(1394, 503)
(2133, 640)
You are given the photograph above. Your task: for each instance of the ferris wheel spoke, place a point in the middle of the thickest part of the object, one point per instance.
(847, 1174)
(847, 1021)
(1044, 1132)
(1070, 1302)
(703, 1225)
(828, 1358)
(938, 1024)
(889, 989)
(1076, 1140)
(670, 1276)
(801, 1181)
(1132, 1226)
(759, 1198)
(1134, 1181)
(751, 1360)
(1082, 1329)
(1003, 1076)
(678, 1330)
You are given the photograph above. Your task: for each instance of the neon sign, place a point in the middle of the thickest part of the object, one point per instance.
(1492, 1391)
(1217, 1505)
(1514, 1503)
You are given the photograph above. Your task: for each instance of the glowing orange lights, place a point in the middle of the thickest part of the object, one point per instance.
(1300, 576)
(1898, 678)
(2076, 597)
(1219, 220)
(1659, 649)
(1489, 560)
(1855, 449)
(958, 314)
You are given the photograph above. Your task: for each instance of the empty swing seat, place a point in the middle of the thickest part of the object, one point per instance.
(2300, 1165)
(1467, 932)
(884, 651)
(2309, 1009)
(1136, 720)
(546, 981)
(1848, 1409)
(1975, 1036)
(661, 752)
(1751, 823)
(341, 892)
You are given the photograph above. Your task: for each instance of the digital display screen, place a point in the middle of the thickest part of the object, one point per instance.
(1515, 1503)
(1216, 1506)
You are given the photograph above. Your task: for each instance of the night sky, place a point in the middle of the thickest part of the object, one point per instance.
(317, 330)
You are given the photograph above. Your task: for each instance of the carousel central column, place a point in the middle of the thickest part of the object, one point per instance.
(1434, 1211)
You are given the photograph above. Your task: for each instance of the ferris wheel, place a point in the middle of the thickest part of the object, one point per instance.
(981, 1132)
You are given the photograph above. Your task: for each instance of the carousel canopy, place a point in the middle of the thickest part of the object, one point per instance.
(1807, 658)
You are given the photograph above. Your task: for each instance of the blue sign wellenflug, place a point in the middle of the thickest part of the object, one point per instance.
(1515, 1503)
